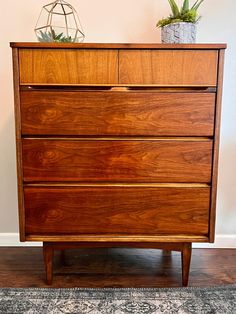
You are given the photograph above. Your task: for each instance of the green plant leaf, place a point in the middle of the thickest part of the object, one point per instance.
(174, 8)
(184, 15)
(53, 34)
(40, 39)
(190, 16)
(197, 5)
(45, 36)
(185, 6)
(58, 37)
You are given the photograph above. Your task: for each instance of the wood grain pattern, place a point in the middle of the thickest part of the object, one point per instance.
(48, 254)
(119, 184)
(186, 259)
(135, 165)
(83, 66)
(117, 113)
(117, 210)
(21, 211)
(117, 161)
(110, 239)
(53, 45)
(169, 67)
(216, 146)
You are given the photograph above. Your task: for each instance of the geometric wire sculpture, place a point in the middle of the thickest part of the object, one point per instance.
(58, 22)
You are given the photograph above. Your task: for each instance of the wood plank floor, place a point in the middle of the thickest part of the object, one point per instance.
(23, 267)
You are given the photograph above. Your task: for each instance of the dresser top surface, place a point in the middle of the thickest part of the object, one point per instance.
(115, 45)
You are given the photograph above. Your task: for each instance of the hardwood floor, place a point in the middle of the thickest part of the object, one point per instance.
(23, 267)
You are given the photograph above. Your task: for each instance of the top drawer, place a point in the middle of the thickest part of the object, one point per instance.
(113, 66)
(168, 67)
(68, 66)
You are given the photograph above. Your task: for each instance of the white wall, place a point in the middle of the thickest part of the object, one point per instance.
(119, 21)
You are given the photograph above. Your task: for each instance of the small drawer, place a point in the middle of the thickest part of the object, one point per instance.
(91, 160)
(68, 66)
(117, 113)
(116, 210)
(169, 67)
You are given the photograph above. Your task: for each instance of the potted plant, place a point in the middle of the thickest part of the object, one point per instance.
(180, 26)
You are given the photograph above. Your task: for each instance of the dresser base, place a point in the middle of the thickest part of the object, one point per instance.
(183, 247)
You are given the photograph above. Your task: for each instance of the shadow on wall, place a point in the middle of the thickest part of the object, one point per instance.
(8, 191)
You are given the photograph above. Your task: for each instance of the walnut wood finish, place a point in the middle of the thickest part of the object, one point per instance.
(169, 67)
(83, 66)
(48, 254)
(186, 259)
(89, 210)
(114, 238)
(117, 113)
(117, 160)
(216, 146)
(49, 247)
(21, 213)
(145, 166)
(41, 45)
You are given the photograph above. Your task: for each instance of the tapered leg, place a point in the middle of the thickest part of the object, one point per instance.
(48, 262)
(186, 259)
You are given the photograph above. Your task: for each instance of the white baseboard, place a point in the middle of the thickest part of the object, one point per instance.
(224, 241)
(12, 239)
(221, 241)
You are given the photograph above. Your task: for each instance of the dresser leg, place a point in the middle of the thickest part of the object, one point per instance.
(48, 261)
(186, 258)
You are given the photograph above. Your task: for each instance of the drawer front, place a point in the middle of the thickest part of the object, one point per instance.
(68, 66)
(117, 160)
(116, 210)
(117, 113)
(168, 67)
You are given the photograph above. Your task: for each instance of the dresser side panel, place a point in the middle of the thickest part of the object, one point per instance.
(216, 145)
(21, 210)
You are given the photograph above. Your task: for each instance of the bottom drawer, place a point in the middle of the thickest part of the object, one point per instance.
(116, 210)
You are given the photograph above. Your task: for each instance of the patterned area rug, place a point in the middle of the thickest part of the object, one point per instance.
(215, 300)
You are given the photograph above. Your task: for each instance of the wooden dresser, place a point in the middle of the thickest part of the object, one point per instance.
(117, 145)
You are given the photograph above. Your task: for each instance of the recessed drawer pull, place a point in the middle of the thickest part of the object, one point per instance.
(120, 89)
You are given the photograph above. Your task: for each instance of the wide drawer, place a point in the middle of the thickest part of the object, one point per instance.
(116, 210)
(168, 67)
(68, 66)
(117, 113)
(117, 160)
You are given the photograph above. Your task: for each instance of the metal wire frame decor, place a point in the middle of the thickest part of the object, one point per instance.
(59, 22)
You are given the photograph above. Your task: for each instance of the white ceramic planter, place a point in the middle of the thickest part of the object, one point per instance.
(179, 33)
